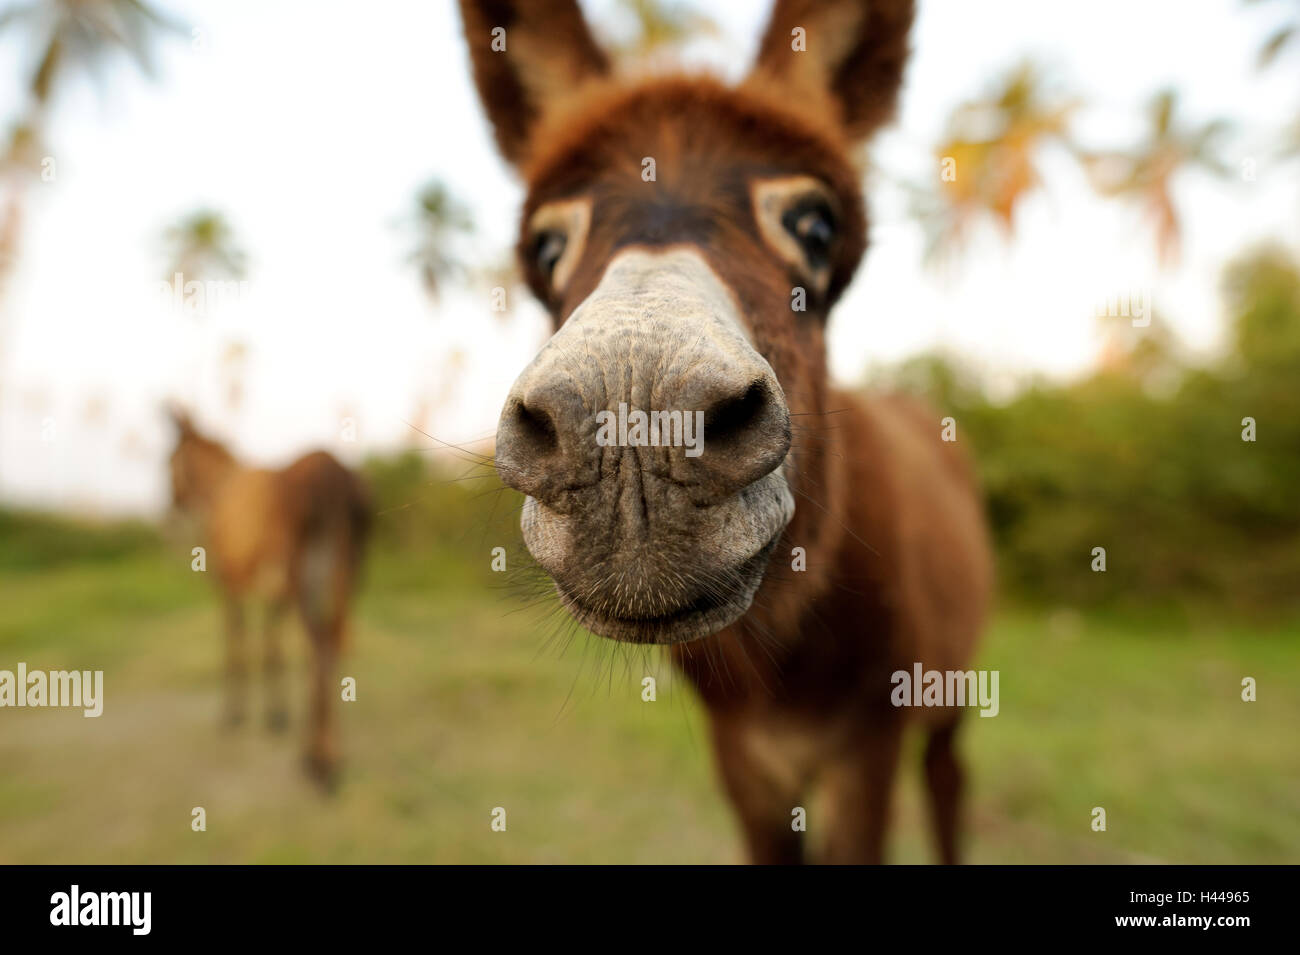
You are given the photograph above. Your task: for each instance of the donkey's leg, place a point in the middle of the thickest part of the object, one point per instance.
(325, 580)
(277, 707)
(314, 567)
(764, 804)
(944, 780)
(236, 688)
(858, 790)
(322, 741)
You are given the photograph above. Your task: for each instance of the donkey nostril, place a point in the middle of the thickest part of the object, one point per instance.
(535, 427)
(732, 417)
(746, 436)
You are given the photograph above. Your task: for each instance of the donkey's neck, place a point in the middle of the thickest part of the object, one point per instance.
(744, 661)
(802, 567)
(214, 467)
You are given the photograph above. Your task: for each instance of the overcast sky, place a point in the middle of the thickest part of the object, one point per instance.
(312, 125)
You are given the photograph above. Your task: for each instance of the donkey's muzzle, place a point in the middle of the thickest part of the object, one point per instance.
(650, 438)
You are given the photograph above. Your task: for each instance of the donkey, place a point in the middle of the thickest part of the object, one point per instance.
(290, 536)
(689, 239)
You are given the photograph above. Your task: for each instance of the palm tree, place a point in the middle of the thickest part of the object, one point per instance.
(19, 161)
(69, 35)
(988, 157)
(80, 34)
(1278, 41)
(1284, 38)
(439, 220)
(1146, 174)
(18, 164)
(202, 246)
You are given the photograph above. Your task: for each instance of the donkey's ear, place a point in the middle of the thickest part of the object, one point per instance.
(179, 416)
(528, 55)
(845, 54)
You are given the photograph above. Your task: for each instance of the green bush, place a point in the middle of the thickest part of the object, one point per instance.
(1160, 477)
(32, 542)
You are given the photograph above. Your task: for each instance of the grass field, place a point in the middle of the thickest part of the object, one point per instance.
(460, 710)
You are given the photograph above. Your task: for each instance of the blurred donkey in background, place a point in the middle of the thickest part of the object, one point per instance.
(295, 535)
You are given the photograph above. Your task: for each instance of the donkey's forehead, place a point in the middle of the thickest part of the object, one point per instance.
(690, 135)
(679, 161)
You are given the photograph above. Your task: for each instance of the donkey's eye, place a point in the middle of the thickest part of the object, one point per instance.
(798, 218)
(813, 227)
(557, 234)
(548, 246)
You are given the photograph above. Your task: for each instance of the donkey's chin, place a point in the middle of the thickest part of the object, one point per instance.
(716, 607)
(686, 585)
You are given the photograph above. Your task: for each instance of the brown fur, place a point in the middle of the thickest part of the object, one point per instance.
(898, 564)
(292, 537)
(898, 573)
